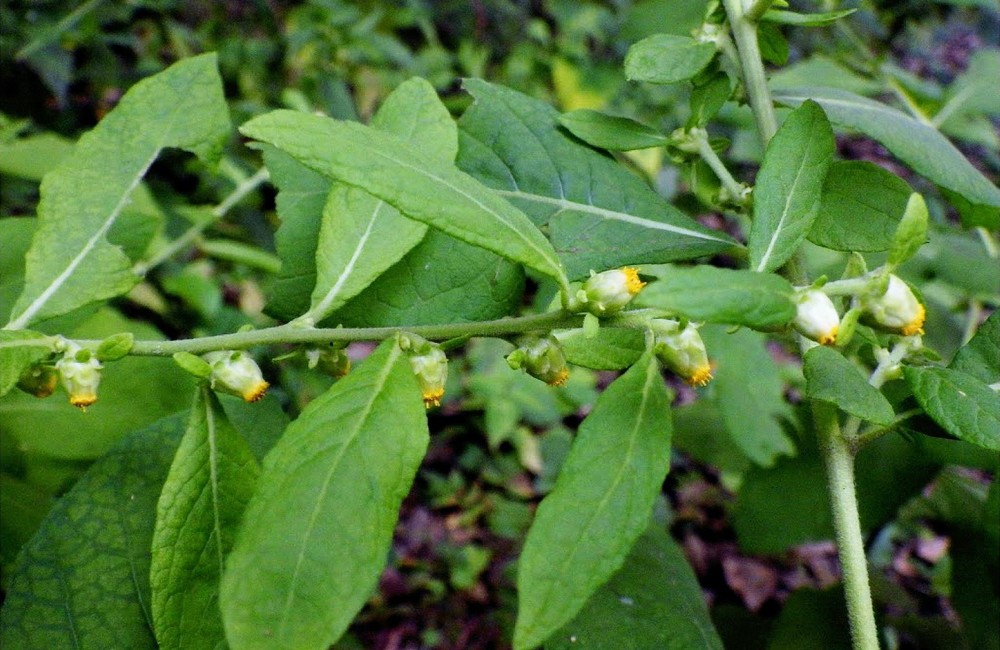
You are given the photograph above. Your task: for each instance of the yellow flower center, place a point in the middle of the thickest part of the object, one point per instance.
(632, 282)
(700, 376)
(433, 397)
(830, 337)
(915, 326)
(560, 378)
(255, 392)
(82, 401)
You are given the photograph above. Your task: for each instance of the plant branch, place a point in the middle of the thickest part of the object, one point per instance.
(737, 191)
(191, 235)
(839, 461)
(285, 334)
(754, 77)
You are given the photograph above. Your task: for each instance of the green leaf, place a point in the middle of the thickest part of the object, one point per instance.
(600, 215)
(789, 186)
(806, 20)
(708, 98)
(610, 349)
(772, 43)
(71, 262)
(714, 295)
(420, 187)
(600, 505)
(325, 509)
(33, 156)
(361, 236)
(832, 378)
(820, 70)
(920, 146)
(860, 208)
(980, 357)
(610, 131)
(653, 602)
(83, 579)
(442, 280)
(301, 196)
(19, 350)
(210, 481)
(964, 406)
(911, 233)
(749, 392)
(667, 59)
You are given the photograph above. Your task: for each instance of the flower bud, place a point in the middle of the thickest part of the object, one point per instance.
(543, 359)
(681, 350)
(236, 373)
(39, 380)
(430, 365)
(80, 373)
(816, 317)
(897, 308)
(331, 359)
(607, 292)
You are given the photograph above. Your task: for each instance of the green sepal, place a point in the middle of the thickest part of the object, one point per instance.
(115, 346)
(911, 233)
(193, 364)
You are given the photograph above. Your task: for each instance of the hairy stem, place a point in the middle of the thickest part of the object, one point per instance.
(839, 461)
(754, 78)
(290, 334)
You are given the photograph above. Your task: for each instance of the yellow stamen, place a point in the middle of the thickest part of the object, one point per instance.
(82, 401)
(632, 282)
(255, 392)
(560, 378)
(915, 326)
(830, 337)
(433, 397)
(700, 376)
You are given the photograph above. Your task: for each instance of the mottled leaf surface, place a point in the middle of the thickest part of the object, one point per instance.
(980, 357)
(601, 503)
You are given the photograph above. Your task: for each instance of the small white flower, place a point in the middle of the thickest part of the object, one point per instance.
(609, 291)
(816, 317)
(430, 366)
(897, 308)
(543, 360)
(236, 373)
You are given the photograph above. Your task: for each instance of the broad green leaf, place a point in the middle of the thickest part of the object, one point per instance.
(789, 186)
(71, 261)
(714, 295)
(667, 59)
(19, 349)
(973, 91)
(832, 378)
(963, 405)
(301, 196)
(807, 20)
(653, 602)
(610, 131)
(419, 186)
(708, 98)
(599, 214)
(611, 349)
(325, 508)
(361, 236)
(980, 357)
(134, 392)
(83, 579)
(648, 17)
(820, 70)
(918, 145)
(600, 505)
(772, 43)
(860, 207)
(442, 280)
(209, 483)
(749, 392)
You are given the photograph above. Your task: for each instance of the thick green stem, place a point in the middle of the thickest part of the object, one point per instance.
(290, 334)
(754, 78)
(839, 461)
